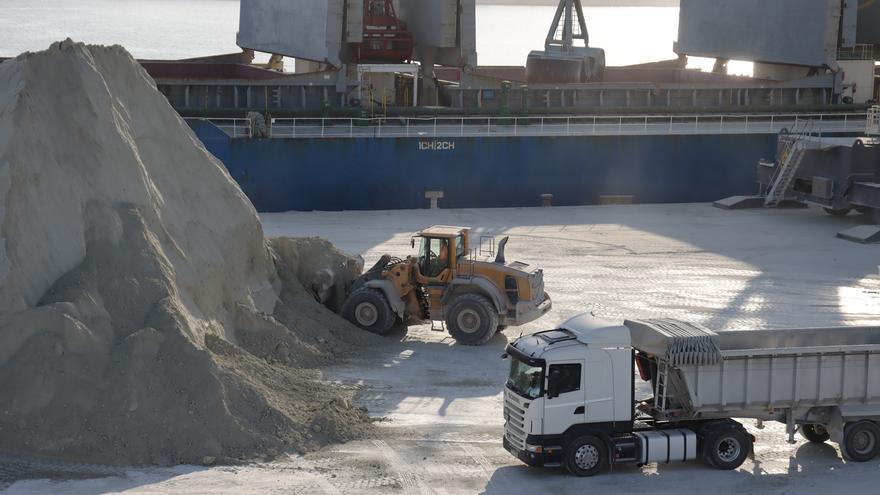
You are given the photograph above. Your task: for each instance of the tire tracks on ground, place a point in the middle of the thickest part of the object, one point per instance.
(409, 480)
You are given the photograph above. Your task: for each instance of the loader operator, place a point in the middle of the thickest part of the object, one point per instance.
(437, 258)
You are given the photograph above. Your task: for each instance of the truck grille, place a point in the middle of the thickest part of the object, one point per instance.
(514, 426)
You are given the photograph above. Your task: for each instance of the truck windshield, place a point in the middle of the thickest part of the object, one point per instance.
(524, 379)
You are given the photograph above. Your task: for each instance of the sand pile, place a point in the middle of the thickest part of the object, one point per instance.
(142, 316)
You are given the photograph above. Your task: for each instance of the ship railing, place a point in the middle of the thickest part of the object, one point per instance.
(237, 128)
(872, 127)
(585, 125)
(858, 51)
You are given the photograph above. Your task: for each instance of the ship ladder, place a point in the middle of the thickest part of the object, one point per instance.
(793, 152)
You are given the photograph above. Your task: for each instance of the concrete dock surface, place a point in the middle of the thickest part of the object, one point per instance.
(440, 403)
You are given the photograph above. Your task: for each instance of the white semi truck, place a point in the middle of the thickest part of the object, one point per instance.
(572, 398)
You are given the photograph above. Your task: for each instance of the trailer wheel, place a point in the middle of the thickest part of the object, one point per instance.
(726, 449)
(586, 456)
(815, 433)
(472, 319)
(861, 441)
(369, 309)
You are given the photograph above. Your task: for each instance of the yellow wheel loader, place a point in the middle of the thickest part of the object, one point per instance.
(446, 283)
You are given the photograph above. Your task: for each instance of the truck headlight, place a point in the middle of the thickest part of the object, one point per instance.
(535, 449)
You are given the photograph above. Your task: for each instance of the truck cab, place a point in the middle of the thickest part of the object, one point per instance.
(567, 383)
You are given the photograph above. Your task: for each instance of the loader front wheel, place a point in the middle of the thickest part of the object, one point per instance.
(472, 319)
(369, 309)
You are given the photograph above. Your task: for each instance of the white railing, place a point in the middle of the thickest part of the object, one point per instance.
(234, 127)
(857, 52)
(872, 127)
(588, 125)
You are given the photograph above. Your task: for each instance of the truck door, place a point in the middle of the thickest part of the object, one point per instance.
(600, 399)
(565, 382)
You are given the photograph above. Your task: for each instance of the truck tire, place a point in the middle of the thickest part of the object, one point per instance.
(815, 433)
(861, 441)
(369, 309)
(472, 319)
(726, 448)
(586, 456)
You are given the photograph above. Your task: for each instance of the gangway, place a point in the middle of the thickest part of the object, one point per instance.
(793, 149)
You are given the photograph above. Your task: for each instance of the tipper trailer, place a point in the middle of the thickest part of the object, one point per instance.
(571, 396)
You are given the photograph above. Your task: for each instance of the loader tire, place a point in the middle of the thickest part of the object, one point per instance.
(369, 309)
(472, 319)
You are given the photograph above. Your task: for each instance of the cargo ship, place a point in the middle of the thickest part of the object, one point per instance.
(389, 108)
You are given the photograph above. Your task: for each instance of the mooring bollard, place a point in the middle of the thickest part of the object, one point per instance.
(434, 197)
(546, 200)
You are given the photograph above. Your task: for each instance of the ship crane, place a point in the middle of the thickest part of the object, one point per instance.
(562, 61)
(386, 38)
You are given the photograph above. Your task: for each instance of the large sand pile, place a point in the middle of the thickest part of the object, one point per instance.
(142, 316)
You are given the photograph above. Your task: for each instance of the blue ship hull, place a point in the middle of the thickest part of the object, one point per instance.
(329, 174)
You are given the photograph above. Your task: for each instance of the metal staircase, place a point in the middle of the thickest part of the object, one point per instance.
(794, 147)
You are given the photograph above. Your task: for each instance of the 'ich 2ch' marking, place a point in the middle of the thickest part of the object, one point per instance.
(436, 145)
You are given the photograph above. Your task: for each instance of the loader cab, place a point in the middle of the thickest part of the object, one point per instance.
(440, 250)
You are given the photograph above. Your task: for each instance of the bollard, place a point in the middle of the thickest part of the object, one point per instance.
(434, 197)
(546, 200)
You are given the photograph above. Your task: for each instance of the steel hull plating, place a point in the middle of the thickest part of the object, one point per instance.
(486, 172)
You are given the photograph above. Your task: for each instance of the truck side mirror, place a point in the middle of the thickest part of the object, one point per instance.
(412, 242)
(553, 384)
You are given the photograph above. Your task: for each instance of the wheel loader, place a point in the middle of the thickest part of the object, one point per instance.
(446, 283)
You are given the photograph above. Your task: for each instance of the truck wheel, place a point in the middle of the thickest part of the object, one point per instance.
(586, 456)
(837, 213)
(472, 320)
(368, 309)
(861, 441)
(726, 449)
(815, 433)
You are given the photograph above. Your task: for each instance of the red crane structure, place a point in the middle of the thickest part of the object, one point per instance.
(386, 38)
